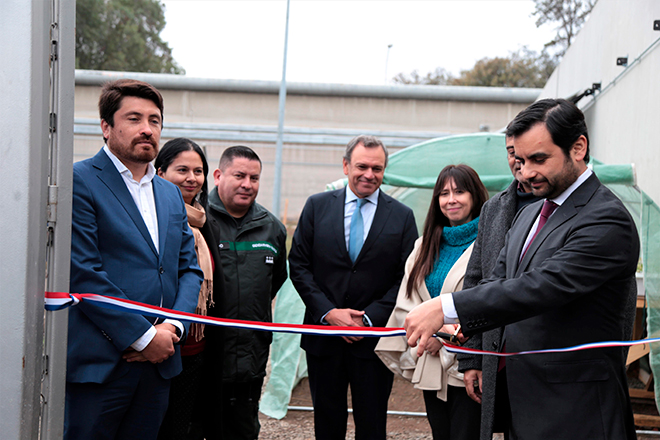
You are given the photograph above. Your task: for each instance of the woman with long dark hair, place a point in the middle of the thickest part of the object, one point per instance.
(182, 162)
(437, 265)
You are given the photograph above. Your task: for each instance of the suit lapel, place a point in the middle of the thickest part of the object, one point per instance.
(109, 175)
(517, 239)
(564, 213)
(383, 211)
(337, 222)
(162, 212)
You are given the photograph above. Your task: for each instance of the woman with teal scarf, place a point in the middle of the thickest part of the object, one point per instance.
(437, 265)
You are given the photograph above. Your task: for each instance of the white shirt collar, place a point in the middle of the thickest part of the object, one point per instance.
(559, 200)
(148, 177)
(350, 196)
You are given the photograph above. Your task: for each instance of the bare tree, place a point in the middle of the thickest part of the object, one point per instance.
(439, 77)
(568, 15)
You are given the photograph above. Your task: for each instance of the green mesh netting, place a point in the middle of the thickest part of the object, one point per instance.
(287, 360)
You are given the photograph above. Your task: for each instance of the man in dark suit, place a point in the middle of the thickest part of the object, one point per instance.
(495, 220)
(561, 279)
(130, 239)
(346, 262)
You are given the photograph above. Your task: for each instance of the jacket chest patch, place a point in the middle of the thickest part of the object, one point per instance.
(248, 246)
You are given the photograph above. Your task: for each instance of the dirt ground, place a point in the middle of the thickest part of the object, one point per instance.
(299, 425)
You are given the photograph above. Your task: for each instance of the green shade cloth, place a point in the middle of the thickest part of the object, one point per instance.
(418, 166)
(287, 359)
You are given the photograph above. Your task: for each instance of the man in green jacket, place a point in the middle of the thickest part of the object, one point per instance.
(252, 244)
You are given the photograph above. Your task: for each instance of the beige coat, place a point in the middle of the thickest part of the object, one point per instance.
(426, 372)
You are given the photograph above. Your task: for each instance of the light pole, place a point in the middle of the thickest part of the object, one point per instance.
(277, 183)
(387, 60)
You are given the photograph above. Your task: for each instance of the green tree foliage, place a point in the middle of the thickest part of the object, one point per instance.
(568, 15)
(524, 68)
(122, 35)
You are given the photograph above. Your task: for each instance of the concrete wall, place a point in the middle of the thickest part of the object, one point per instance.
(624, 118)
(320, 120)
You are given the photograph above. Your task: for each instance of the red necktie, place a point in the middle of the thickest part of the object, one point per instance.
(547, 210)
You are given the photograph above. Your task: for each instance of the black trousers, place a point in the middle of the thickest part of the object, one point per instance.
(502, 418)
(183, 417)
(371, 384)
(239, 412)
(459, 418)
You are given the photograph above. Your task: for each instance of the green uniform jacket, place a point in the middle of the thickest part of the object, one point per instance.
(253, 256)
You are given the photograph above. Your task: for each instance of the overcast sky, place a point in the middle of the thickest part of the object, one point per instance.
(345, 41)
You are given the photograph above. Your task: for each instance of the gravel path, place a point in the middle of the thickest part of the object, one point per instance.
(299, 425)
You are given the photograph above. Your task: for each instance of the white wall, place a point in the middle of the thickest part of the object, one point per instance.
(624, 119)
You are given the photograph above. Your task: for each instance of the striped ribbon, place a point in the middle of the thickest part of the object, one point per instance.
(605, 344)
(61, 300)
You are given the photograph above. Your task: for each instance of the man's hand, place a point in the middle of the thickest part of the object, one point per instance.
(433, 346)
(161, 346)
(451, 330)
(472, 378)
(346, 318)
(422, 322)
(131, 355)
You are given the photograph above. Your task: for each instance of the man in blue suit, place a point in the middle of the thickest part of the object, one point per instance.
(130, 239)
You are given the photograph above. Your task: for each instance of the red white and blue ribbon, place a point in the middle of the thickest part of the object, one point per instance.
(606, 344)
(60, 300)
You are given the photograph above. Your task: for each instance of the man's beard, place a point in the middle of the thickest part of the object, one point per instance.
(560, 182)
(144, 156)
(133, 153)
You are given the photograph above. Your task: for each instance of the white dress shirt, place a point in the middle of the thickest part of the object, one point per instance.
(142, 193)
(368, 212)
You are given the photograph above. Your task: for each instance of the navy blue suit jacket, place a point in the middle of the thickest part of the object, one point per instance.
(113, 254)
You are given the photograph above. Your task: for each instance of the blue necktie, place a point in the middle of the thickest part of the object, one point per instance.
(356, 239)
